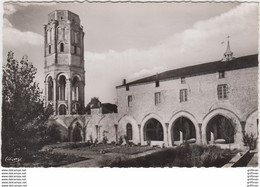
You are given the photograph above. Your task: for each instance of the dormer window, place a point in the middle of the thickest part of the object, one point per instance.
(183, 80)
(157, 83)
(221, 74)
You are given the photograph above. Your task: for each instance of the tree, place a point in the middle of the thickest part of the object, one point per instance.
(23, 113)
(94, 103)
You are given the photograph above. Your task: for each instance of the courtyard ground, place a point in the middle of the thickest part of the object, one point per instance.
(105, 155)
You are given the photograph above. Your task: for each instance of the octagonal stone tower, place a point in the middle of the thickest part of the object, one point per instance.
(64, 63)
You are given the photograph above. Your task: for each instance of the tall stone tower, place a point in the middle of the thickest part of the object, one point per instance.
(64, 63)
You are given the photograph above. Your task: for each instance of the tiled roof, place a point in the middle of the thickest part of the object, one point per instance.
(211, 67)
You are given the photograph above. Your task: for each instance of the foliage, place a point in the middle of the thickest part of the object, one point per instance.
(24, 117)
(75, 145)
(126, 140)
(90, 138)
(96, 141)
(76, 133)
(228, 130)
(105, 139)
(148, 142)
(182, 156)
(120, 141)
(53, 134)
(94, 103)
(45, 159)
(250, 140)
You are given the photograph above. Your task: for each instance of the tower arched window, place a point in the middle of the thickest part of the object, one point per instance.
(48, 36)
(75, 49)
(62, 87)
(50, 89)
(129, 132)
(62, 47)
(76, 109)
(49, 49)
(75, 89)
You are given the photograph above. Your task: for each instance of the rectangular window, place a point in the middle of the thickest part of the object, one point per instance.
(129, 99)
(127, 87)
(183, 95)
(222, 91)
(157, 98)
(157, 84)
(221, 74)
(183, 80)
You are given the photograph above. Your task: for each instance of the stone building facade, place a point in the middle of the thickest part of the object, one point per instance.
(216, 102)
(211, 103)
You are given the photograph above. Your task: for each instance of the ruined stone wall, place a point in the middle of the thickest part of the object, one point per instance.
(95, 126)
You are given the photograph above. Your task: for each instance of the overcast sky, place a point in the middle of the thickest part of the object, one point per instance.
(134, 40)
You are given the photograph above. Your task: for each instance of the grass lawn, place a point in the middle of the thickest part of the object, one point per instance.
(106, 148)
(121, 149)
(129, 150)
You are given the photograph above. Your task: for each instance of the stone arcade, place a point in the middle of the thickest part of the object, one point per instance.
(210, 103)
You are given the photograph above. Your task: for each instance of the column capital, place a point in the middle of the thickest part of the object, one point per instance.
(167, 125)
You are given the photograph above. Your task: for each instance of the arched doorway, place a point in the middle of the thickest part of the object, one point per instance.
(77, 133)
(183, 130)
(62, 110)
(153, 130)
(220, 130)
(129, 132)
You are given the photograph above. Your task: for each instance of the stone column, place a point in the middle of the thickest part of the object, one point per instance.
(54, 96)
(68, 83)
(212, 137)
(45, 41)
(199, 138)
(181, 137)
(167, 134)
(243, 127)
(116, 131)
(55, 41)
(139, 130)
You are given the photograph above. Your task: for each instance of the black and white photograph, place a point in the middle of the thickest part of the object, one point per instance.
(130, 85)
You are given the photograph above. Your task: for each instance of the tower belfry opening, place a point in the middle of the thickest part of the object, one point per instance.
(64, 62)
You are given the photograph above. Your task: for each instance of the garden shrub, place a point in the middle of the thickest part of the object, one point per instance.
(120, 142)
(182, 156)
(250, 141)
